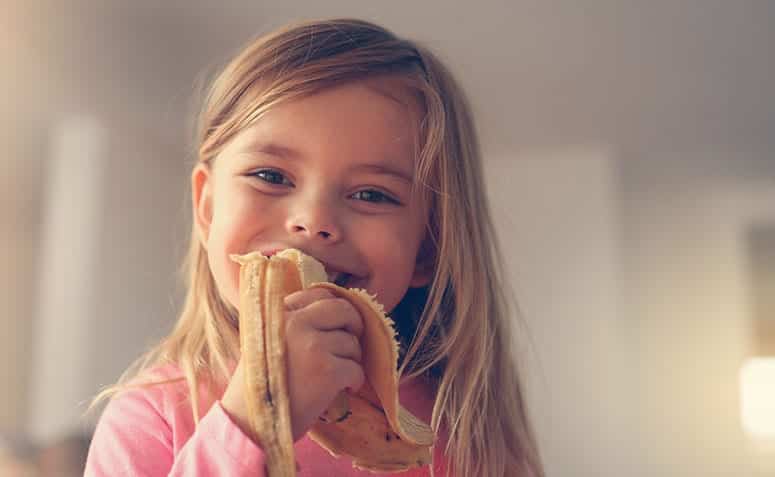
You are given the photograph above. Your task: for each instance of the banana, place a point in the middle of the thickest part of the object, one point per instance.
(263, 284)
(369, 425)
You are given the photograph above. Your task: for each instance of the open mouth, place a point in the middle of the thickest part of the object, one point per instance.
(338, 278)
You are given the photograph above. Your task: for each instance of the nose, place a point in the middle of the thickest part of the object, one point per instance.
(314, 219)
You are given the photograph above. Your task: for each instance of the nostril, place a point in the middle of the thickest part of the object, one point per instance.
(308, 231)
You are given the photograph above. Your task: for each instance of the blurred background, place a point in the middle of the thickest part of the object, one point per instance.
(629, 148)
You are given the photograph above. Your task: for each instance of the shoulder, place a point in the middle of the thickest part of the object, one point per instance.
(154, 405)
(139, 424)
(156, 384)
(148, 396)
(158, 373)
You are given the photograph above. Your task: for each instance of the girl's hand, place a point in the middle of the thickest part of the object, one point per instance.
(323, 356)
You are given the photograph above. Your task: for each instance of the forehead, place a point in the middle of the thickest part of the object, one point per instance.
(372, 117)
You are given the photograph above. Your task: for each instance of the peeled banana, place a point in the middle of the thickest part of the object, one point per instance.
(369, 424)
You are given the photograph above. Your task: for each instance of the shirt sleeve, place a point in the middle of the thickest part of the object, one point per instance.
(133, 438)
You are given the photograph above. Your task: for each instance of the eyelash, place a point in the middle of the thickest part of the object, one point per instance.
(273, 172)
(260, 174)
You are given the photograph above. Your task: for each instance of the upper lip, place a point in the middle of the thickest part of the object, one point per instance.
(330, 267)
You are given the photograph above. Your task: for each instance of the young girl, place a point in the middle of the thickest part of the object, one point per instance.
(357, 147)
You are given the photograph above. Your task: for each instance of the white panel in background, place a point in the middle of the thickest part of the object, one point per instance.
(757, 389)
(556, 214)
(73, 189)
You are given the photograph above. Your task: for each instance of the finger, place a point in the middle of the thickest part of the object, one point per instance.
(342, 344)
(302, 298)
(331, 314)
(351, 374)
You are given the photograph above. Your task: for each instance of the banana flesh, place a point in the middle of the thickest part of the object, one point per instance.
(369, 424)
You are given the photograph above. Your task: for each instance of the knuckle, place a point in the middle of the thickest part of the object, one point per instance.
(357, 376)
(344, 304)
(296, 324)
(351, 341)
(320, 293)
(347, 310)
(314, 345)
(295, 301)
(291, 323)
(328, 368)
(357, 352)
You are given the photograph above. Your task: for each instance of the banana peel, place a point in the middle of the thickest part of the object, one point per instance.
(369, 425)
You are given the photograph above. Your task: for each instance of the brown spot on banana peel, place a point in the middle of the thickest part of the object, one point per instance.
(281, 278)
(379, 360)
(263, 285)
(376, 411)
(363, 437)
(339, 408)
(344, 416)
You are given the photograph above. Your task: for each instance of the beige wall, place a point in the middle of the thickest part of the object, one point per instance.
(556, 213)
(20, 199)
(127, 288)
(114, 232)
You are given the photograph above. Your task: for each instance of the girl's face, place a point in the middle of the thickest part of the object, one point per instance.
(329, 174)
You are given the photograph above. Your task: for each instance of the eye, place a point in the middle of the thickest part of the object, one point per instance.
(374, 196)
(272, 176)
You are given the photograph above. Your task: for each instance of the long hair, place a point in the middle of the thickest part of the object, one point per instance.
(460, 330)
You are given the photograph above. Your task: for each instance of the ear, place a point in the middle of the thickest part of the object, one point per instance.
(202, 200)
(424, 266)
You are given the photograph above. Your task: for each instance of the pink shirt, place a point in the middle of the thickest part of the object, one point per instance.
(150, 432)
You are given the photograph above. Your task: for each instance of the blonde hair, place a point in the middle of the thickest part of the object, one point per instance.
(463, 320)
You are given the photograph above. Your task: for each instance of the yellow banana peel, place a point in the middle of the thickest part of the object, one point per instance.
(369, 425)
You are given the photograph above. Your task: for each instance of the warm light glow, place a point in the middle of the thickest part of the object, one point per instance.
(757, 393)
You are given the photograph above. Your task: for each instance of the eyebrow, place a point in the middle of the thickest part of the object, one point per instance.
(274, 149)
(385, 170)
(285, 152)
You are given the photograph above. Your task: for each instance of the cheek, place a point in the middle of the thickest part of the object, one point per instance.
(241, 217)
(394, 255)
(387, 245)
(234, 231)
(225, 272)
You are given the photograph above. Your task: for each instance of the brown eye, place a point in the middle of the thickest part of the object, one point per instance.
(374, 196)
(272, 177)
